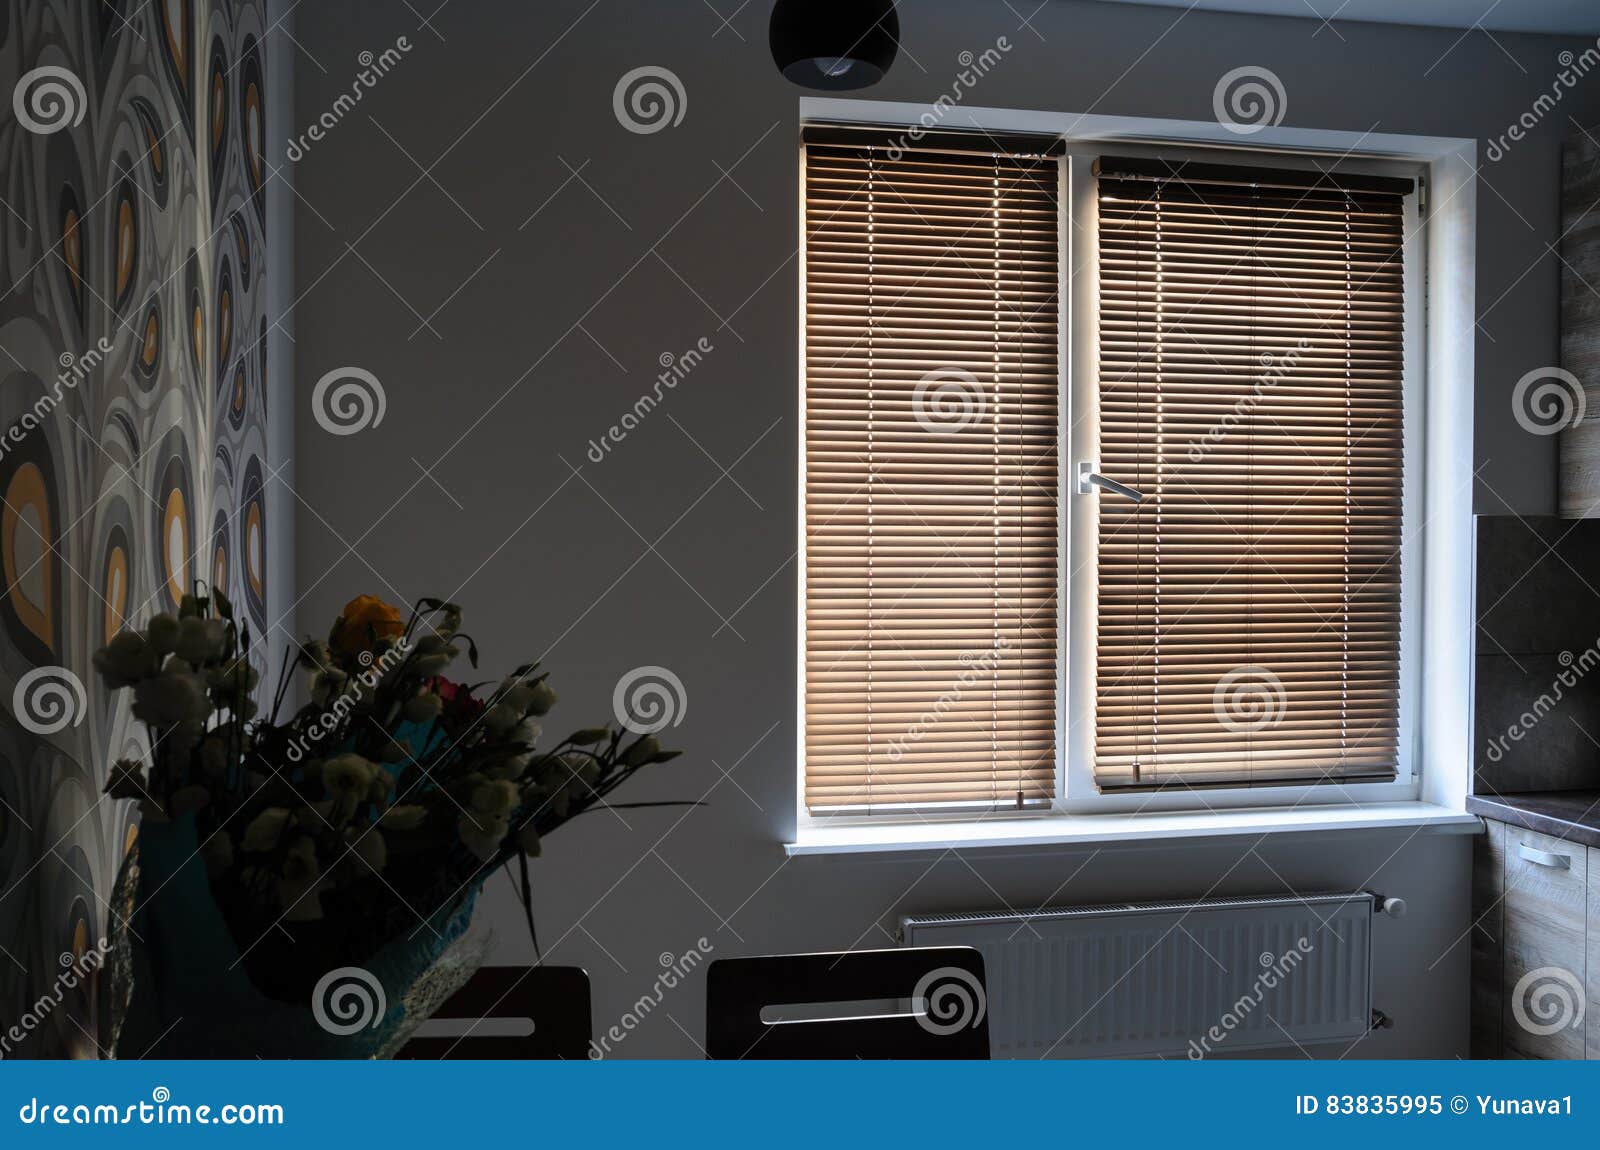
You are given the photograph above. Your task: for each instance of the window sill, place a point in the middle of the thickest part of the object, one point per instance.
(1148, 829)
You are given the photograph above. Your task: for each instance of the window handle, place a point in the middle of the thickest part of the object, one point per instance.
(1089, 479)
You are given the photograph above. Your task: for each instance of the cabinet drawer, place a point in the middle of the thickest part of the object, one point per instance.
(1546, 913)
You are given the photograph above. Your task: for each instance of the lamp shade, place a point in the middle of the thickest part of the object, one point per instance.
(834, 45)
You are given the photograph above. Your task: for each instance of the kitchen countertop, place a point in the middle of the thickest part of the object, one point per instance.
(1571, 815)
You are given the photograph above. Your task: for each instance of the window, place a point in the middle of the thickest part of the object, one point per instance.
(931, 484)
(1251, 388)
(1236, 410)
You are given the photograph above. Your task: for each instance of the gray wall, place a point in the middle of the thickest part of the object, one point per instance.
(655, 556)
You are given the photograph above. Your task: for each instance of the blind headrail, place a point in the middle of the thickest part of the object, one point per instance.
(1239, 175)
(901, 138)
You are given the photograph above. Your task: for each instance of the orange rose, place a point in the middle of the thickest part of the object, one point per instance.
(365, 620)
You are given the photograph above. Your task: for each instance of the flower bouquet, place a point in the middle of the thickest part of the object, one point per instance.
(300, 884)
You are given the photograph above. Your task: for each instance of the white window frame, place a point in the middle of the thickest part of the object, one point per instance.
(1080, 359)
(1436, 555)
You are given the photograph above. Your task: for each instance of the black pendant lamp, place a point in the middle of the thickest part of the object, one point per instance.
(834, 45)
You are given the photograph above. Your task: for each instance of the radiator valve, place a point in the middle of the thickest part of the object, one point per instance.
(1389, 905)
(1381, 1021)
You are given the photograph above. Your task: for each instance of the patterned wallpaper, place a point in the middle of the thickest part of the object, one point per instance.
(135, 454)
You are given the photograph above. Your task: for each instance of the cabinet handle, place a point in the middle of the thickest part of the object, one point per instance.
(1545, 858)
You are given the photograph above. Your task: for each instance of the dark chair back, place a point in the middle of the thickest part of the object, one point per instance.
(554, 999)
(943, 1005)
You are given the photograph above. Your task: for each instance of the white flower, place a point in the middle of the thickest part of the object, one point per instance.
(328, 685)
(265, 829)
(527, 731)
(237, 675)
(511, 767)
(126, 780)
(433, 655)
(495, 798)
(424, 708)
(370, 848)
(163, 634)
(500, 719)
(200, 640)
(544, 697)
(347, 775)
(314, 653)
(448, 621)
(407, 817)
(173, 697)
(483, 833)
(299, 905)
(126, 660)
(516, 694)
(300, 862)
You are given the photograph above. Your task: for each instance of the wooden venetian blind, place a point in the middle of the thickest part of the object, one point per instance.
(1251, 386)
(930, 475)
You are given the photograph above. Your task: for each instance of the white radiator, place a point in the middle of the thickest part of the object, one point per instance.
(1176, 979)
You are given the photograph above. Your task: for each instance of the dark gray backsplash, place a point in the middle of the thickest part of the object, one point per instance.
(1536, 702)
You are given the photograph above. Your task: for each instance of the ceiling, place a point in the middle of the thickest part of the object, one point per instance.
(1573, 17)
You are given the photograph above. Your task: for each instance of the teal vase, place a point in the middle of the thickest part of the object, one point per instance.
(181, 984)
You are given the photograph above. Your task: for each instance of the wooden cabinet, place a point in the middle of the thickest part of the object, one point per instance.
(1592, 979)
(1546, 948)
(1535, 946)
